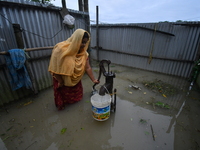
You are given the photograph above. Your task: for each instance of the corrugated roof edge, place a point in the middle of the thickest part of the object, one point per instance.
(36, 4)
(195, 23)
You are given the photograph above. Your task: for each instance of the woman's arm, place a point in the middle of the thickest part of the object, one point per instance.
(89, 72)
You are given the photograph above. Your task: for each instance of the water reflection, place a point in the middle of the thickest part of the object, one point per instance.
(130, 132)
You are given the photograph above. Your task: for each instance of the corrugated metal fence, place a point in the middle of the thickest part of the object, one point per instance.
(169, 48)
(41, 26)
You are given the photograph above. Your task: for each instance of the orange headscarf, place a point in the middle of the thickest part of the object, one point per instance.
(67, 60)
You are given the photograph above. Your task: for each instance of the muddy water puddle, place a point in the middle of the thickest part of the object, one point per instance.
(145, 118)
(130, 126)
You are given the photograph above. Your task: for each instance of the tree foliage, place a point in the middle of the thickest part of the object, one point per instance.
(42, 1)
(180, 21)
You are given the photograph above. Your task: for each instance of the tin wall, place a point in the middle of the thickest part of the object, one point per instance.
(41, 26)
(169, 48)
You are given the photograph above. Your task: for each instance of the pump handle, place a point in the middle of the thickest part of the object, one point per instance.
(102, 70)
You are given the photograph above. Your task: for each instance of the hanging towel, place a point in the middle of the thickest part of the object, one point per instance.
(16, 66)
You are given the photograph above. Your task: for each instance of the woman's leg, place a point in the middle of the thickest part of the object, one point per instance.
(72, 94)
(58, 95)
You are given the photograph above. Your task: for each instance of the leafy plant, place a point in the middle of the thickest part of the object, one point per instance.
(143, 121)
(63, 130)
(195, 71)
(161, 87)
(162, 105)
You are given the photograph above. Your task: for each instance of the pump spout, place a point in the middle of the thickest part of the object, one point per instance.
(104, 89)
(108, 86)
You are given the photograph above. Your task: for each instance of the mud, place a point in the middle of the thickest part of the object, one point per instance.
(141, 122)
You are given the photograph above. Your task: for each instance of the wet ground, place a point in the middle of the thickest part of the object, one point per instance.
(156, 113)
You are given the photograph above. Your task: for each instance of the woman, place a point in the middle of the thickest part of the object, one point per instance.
(69, 61)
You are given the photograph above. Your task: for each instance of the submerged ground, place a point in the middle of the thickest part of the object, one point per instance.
(154, 112)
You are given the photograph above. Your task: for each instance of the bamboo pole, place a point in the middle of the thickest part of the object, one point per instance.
(29, 49)
(27, 64)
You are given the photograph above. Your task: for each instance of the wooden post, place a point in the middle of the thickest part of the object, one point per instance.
(86, 8)
(87, 25)
(64, 10)
(80, 5)
(63, 4)
(18, 36)
(20, 45)
(97, 31)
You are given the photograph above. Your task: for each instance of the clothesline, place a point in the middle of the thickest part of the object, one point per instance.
(29, 49)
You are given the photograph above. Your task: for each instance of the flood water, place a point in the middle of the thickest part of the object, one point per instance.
(145, 118)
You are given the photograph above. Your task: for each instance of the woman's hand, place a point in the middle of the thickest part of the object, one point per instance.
(59, 79)
(96, 81)
(60, 84)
